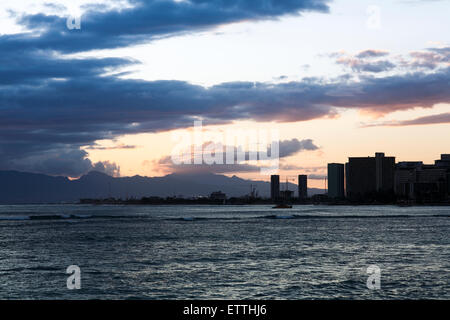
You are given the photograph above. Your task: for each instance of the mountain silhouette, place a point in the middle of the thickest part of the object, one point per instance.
(22, 187)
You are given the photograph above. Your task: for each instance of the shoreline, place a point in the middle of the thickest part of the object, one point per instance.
(208, 202)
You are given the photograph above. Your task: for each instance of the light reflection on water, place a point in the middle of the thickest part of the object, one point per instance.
(224, 252)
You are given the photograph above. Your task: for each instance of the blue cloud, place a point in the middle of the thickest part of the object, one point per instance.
(67, 114)
(51, 105)
(147, 20)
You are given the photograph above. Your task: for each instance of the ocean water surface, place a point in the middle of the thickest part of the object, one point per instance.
(224, 252)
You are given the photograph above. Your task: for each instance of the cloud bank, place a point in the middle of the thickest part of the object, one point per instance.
(52, 104)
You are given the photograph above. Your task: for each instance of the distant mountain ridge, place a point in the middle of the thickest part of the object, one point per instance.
(23, 187)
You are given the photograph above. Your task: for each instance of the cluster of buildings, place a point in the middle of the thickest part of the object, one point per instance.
(380, 178)
(277, 194)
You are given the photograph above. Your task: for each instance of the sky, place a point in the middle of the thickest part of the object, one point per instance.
(334, 78)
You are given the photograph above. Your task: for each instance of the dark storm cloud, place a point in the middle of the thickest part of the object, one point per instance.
(76, 112)
(56, 162)
(51, 105)
(399, 92)
(111, 169)
(145, 21)
(53, 160)
(36, 66)
(82, 106)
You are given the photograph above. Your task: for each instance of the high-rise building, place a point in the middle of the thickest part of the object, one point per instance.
(368, 176)
(302, 186)
(275, 187)
(336, 180)
(424, 182)
(444, 162)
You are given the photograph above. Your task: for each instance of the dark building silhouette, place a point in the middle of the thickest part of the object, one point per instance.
(422, 182)
(286, 195)
(302, 187)
(218, 195)
(444, 162)
(336, 180)
(275, 187)
(370, 178)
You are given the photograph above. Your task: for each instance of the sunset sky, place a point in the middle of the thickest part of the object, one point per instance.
(336, 78)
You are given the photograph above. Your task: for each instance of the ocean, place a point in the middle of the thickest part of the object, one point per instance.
(225, 252)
